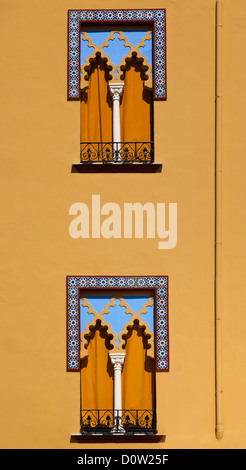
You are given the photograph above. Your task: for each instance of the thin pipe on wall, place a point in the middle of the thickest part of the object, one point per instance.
(218, 225)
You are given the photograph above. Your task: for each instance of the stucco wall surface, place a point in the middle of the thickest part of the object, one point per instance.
(40, 135)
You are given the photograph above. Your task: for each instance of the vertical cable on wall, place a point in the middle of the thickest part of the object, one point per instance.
(218, 224)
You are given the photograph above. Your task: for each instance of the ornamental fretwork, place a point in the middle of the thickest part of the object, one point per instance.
(116, 152)
(111, 421)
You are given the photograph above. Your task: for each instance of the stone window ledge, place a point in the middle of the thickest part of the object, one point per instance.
(116, 168)
(81, 438)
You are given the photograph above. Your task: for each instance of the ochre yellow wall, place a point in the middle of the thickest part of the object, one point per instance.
(40, 134)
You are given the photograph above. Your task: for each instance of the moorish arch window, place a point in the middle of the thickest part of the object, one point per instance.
(117, 69)
(118, 340)
(116, 96)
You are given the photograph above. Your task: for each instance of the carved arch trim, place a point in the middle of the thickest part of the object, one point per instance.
(98, 317)
(121, 67)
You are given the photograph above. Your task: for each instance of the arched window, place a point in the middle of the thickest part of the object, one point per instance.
(96, 105)
(117, 337)
(139, 368)
(116, 96)
(117, 363)
(97, 372)
(136, 105)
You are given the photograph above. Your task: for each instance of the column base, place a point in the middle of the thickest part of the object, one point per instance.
(119, 430)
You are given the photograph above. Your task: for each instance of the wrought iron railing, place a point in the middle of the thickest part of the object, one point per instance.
(112, 421)
(117, 152)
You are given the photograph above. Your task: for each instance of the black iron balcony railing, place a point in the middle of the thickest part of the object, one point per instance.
(117, 152)
(112, 421)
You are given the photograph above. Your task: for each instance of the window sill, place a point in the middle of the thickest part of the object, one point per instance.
(82, 438)
(116, 168)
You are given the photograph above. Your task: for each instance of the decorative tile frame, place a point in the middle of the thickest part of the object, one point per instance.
(156, 17)
(158, 285)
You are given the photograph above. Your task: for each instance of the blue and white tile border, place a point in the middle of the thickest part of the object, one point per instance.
(156, 17)
(158, 284)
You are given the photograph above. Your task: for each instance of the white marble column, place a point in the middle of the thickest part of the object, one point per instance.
(116, 90)
(117, 360)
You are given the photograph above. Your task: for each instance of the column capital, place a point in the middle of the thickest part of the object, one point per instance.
(117, 360)
(116, 90)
